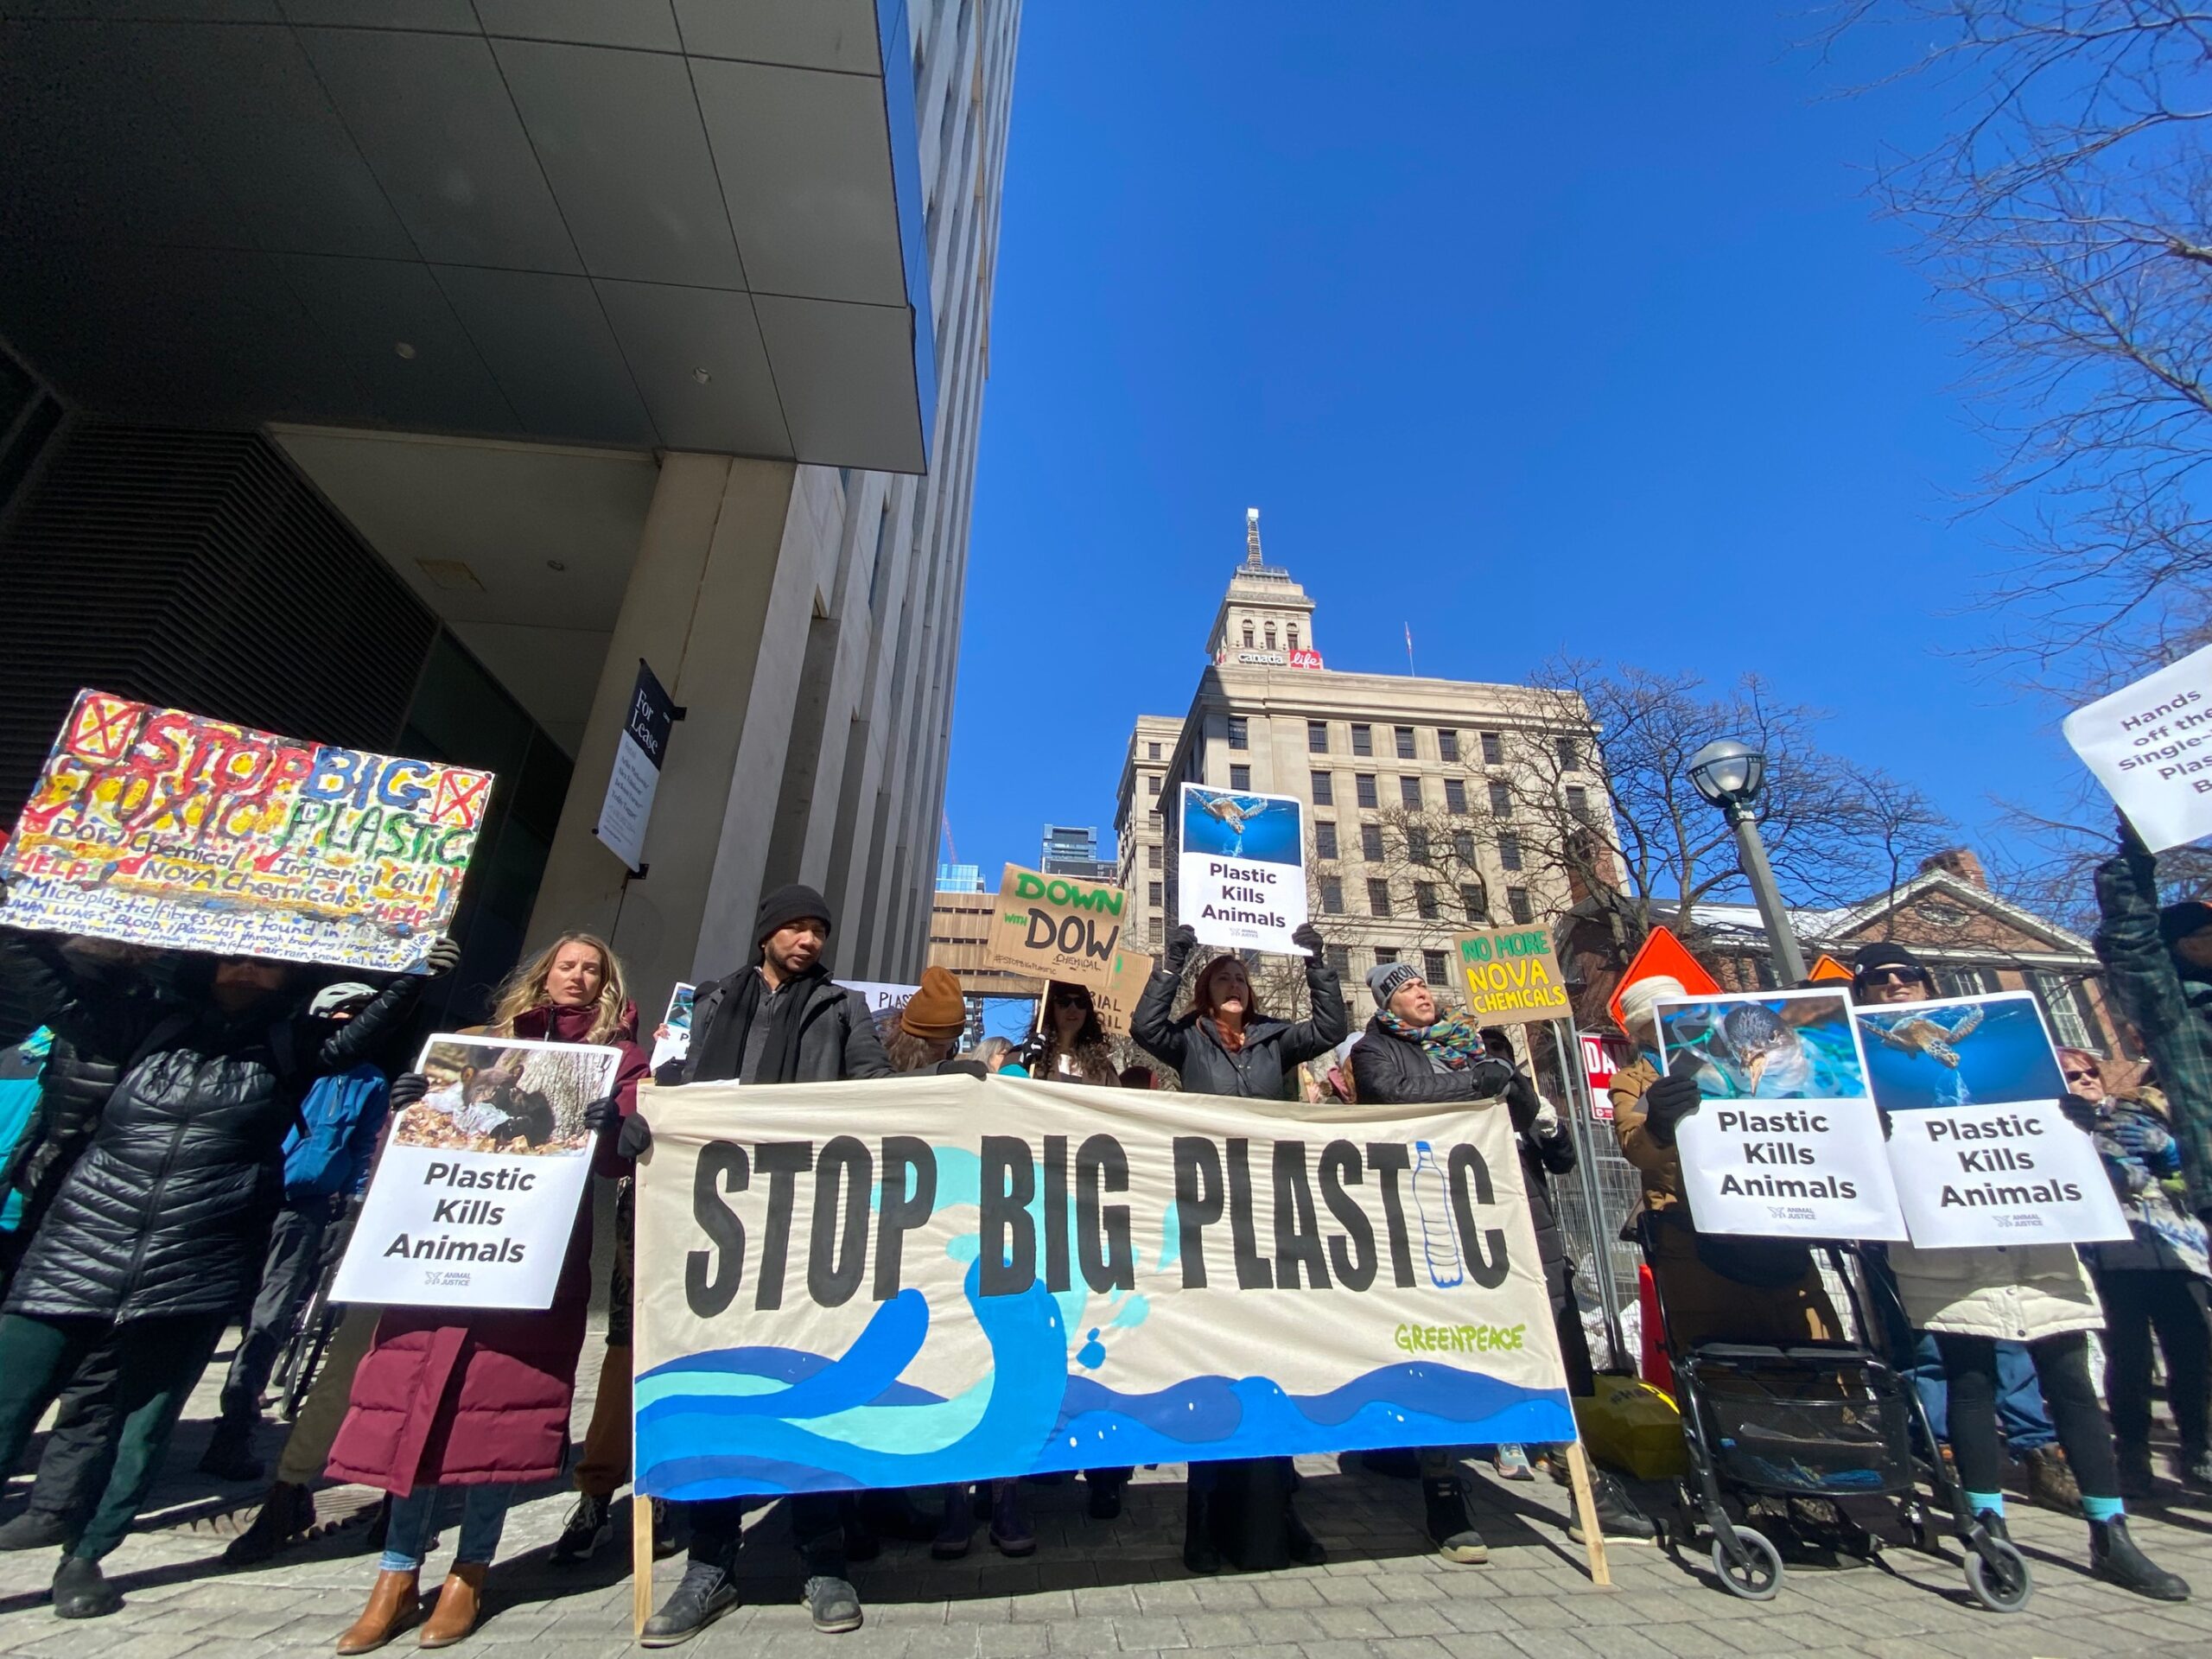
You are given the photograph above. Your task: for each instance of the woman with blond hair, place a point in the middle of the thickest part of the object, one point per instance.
(478, 1398)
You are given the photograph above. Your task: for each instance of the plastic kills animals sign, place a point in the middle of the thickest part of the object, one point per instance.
(1512, 977)
(1056, 927)
(2149, 745)
(1241, 870)
(164, 829)
(923, 1281)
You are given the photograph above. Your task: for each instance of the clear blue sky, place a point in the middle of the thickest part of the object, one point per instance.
(1542, 328)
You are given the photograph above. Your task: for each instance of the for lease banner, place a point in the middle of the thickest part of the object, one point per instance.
(1241, 873)
(2149, 745)
(475, 1193)
(1787, 1141)
(928, 1280)
(1056, 927)
(1981, 1153)
(165, 829)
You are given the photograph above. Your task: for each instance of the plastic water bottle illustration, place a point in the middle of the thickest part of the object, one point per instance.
(1438, 1242)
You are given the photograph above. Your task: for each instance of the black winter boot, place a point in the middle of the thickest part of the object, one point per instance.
(285, 1514)
(1199, 1553)
(1451, 1527)
(2114, 1558)
(81, 1590)
(34, 1529)
(2136, 1478)
(230, 1455)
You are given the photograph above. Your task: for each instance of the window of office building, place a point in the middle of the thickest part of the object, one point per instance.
(1290, 633)
(1501, 801)
(1271, 636)
(1447, 743)
(1332, 896)
(1463, 846)
(1384, 955)
(1363, 740)
(1455, 795)
(1339, 959)
(1155, 817)
(1570, 754)
(1508, 852)
(1371, 841)
(1325, 839)
(1493, 749)
(1578, 802)
(1240, 732)
(1378, 897)
(1417, 843)
(1152, 751)
(1364, 784)
(1517, 905)
(1152, 783)
(1475, 901)
(1247, 636)
(1404, 737)
(1425, 904)
(1410, 793)
(1316, 736)
(1154, 893)
(1325, 793)
(1151, 856)
(1436, 970)
(1240, 777)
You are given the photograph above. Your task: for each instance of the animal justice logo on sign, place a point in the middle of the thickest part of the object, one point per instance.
(1056, 927)
(165, 829)
(1512, 977)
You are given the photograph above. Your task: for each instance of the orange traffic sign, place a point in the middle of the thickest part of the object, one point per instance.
(1663, 955)
(1828, 968)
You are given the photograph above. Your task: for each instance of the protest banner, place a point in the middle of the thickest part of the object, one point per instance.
(1056, 927)
(1241, 873)
(160, 828)
(952, 1278)
(1981, 1151)
(2149, 745)
(1117, 1003)
(883, 997)
(1787, 1143)
(672, 1036)
(475, 1194)
(1512, 977)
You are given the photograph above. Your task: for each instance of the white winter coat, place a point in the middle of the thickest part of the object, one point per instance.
(2012, 1293)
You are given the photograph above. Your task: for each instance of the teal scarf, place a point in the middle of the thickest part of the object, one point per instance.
(1454, 1039)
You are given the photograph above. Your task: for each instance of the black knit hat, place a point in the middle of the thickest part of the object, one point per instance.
(787, 905)
(1886, 953)
(2176, 922)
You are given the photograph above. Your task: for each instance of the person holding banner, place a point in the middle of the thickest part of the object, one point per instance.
(780, 1019)
(479, 1398)
(155, 1237)
(1225, 1045)
(1069, 1044)
(1970, 1298)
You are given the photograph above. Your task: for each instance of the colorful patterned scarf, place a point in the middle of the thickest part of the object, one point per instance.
(1453, 1039)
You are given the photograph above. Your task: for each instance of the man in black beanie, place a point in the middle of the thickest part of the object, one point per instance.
(782, 1019)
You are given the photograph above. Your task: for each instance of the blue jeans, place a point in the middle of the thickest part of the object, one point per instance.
(2020, 1412)
(483, 1517)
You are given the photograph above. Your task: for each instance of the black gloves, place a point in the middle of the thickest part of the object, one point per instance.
(1307, 938)
(1182, 939)
(963, 1069)
(444, 956)
(601, 1112)
(669, 1076)
(408, 1087)
(2081, 1113)
(1670, 1100)
(637, 1137)
(1881, 1112)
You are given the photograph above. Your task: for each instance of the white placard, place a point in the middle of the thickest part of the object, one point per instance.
(2012, 1174)
(1787, 1143)
(672, 1036)
(1242, 869)
(474, 1196)
(2149, 745)
(882, 997)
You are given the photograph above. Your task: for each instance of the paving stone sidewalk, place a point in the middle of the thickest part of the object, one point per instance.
(1119, 1587)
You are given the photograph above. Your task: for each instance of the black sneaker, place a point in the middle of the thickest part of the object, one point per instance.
(1619, 1521)
(703, 1596)
(2137, 1479)
(34, 1529)
(230, 1455)
(589, 1529)
(1451, 1526)
(81, 1590)
(2114, 1558)
(285, 1514)
(834, 1603)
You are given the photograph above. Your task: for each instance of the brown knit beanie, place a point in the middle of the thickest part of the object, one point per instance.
(935, 1013)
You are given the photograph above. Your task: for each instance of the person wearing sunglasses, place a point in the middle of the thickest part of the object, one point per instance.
(1069, 1044)
(1973, 1298)
(2159, 1280)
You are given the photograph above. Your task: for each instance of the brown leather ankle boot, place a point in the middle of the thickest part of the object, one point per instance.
(459, 1600)
(394, 1604)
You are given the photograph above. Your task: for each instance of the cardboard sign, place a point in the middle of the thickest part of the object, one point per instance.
(160, 828)
(1787, 1143)
(1057, 927)
(1663, 955)
(1117, 1003)
(1512, 977)
(475, 1195)
(2149, 745)
(1242, 869)
(971, 1279)
(1980, 1151)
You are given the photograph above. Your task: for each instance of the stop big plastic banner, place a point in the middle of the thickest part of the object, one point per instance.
(929, 1279)
(162, 827)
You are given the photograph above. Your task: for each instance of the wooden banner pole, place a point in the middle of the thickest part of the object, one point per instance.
(1586, 1513)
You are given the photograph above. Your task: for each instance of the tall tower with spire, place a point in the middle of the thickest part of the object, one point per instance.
(1265, 621)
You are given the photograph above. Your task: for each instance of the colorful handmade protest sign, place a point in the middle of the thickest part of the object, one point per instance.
(1787, 1141)
(2149, 745)
(162, 828)
(933, 1280)
(1511, 976)
(475, 1192)
(1056, 927)
(1979, 1150)
(1241, 872)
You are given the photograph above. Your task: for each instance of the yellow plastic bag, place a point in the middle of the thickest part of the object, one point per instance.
(1631, 1426)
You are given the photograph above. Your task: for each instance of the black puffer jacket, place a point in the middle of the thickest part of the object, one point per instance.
(1392, 1071)
(167, 1211)
(74, 1090)
(1542, 1158)
(1266, 1067)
